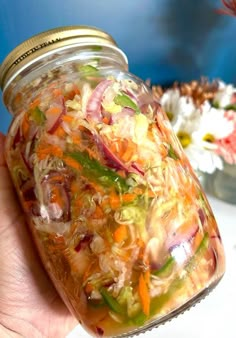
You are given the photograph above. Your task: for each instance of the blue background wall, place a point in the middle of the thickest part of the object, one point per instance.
(165, 40)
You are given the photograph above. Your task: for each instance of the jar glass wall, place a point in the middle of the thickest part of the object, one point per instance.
(117, 214)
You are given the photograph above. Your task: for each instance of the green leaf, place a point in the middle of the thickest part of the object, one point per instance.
(125, 101)
(231, 107)
(38, 116)
(215, 105)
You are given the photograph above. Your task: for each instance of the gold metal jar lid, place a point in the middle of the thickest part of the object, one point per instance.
(52, 40)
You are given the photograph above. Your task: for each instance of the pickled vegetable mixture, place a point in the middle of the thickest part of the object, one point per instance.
(117, 214)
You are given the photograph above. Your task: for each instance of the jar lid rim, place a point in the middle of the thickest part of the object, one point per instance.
(49, 40)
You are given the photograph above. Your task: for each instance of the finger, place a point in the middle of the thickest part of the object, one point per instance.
(2, 142)
(5, 180)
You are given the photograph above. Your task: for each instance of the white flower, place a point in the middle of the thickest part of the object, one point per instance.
(213, 126)
(200, 129)
(178, 108)
(224, 95)
(170, 102)
(197, 136)
(203, 159)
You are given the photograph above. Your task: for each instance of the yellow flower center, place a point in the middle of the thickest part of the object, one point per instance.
(170, 115)
(209, 138)
(185, 138)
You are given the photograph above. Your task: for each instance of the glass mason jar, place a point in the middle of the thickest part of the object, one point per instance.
(117, 215)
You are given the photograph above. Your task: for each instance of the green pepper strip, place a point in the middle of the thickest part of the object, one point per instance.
(172, 153)
(111, 301)
(95, 171)
(88, 69)
(125, 101)
(166, 268)
(159, 301)
(38, 116)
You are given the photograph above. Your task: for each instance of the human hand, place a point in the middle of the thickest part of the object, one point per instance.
(29, 305)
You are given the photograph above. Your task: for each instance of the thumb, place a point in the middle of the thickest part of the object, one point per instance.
(9, 207)
(5, 180)
(2, 142)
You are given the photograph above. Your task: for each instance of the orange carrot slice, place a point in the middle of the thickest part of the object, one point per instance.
(44, 150)
(114, 200)
(144, 295)
(127, 198)
(120, 234)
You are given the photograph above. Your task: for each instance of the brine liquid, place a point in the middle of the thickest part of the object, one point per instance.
(118, 216)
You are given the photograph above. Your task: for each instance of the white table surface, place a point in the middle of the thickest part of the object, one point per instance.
(215, 316)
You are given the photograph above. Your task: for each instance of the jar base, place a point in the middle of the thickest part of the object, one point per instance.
(174, 314)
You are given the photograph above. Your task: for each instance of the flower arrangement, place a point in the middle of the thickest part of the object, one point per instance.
(229, 7)
(203, 116)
